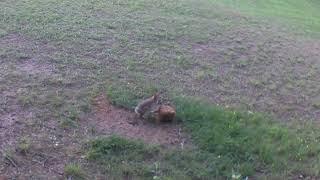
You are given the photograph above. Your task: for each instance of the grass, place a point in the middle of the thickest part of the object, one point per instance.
(74, 171)
(302, 14)
(119, 157)
(249, 140)
(132, 48)
(241, 142)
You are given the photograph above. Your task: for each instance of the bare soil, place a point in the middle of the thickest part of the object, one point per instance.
(42, 158)
(112, 120)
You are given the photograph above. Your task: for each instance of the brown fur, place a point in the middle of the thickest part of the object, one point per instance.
(165, 113)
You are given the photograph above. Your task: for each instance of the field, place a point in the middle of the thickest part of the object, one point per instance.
(299, 15)
(243, 76)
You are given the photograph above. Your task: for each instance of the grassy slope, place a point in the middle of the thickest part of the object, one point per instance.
(125, 42)
(234, 142)
(303, 14)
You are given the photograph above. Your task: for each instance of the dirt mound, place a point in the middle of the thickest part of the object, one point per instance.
(113, 120)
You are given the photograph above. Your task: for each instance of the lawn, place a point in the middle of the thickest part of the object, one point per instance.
(244, 80)
(303, 15)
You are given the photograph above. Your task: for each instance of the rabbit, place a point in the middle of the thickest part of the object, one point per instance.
(146, 105)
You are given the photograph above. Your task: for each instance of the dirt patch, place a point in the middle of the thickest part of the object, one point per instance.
(27, 58)
(22, 59)
(10, 129)
(31, 56)
(113, 120)
(49, 148)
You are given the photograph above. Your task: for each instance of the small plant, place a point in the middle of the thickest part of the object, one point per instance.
(75, 171)
(72, 113)
(24, 146)
(70, 118)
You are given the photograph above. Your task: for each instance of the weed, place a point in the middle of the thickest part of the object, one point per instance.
(24, 145)
(69, 118)
(74, 171)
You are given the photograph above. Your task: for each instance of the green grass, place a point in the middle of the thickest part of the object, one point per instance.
(118, 157)
(248, 139)
(304, 14)
(243, 142)
(121, 157)
(96, 45)
(74, 171)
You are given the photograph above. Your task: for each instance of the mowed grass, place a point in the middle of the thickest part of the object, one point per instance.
(303, 14)
(146, 46)
(122, 158)
(233, 143)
